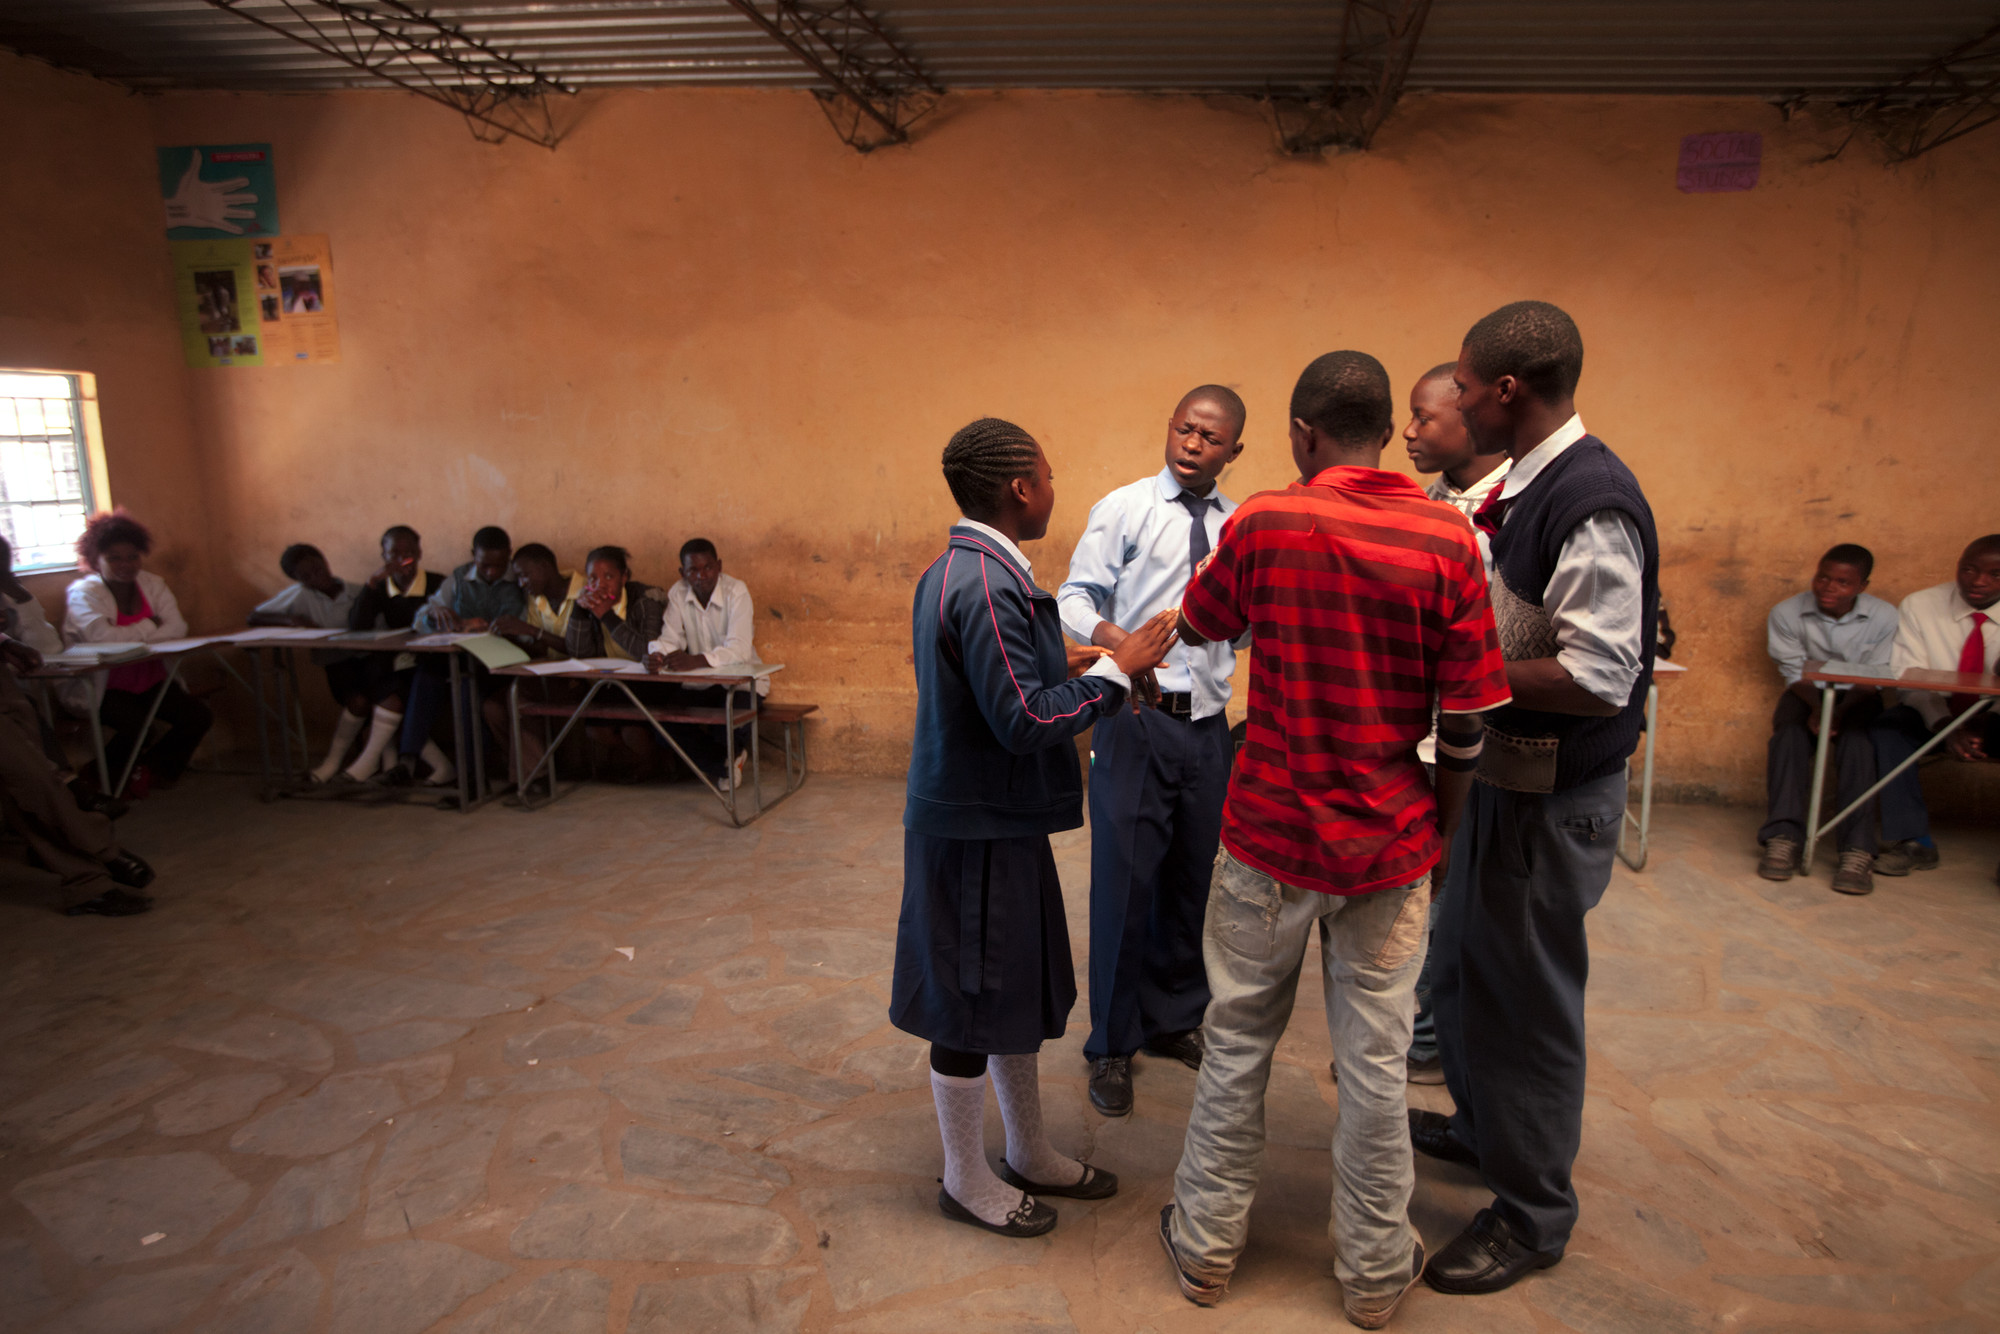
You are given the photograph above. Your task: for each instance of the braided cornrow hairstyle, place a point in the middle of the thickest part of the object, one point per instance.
(982, 459)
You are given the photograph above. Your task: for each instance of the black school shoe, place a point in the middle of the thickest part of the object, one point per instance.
(1030, 1218)
(1183, 1047)
(111, 903)
(1431, 1135)
(97, 803)
(129, 870)
(1485, 1258)
(1095, 1184)
(1111, 1085)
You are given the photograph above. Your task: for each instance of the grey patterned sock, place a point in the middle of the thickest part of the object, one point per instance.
(1017, 1080)
(968, 1177)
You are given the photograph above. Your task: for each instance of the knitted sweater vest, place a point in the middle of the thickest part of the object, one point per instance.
(1582, 480)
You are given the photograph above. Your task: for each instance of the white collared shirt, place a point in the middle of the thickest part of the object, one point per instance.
(722, 632)
(1103, 666)
(1595, 599)
(1132, 563)
(1468, 501)
(1932, 627)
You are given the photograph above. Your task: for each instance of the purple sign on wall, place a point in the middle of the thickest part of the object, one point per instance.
(1715, 163)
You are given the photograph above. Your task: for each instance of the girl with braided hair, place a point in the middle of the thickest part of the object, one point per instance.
(983, 968)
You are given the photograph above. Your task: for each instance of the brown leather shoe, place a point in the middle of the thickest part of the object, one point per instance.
(1780, 860)
(1853, 876)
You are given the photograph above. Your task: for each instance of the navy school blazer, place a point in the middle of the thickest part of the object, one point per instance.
(991, 756)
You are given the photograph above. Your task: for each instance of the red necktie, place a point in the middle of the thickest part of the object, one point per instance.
(1972, 659)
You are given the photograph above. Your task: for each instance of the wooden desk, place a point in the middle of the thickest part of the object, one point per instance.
(1662, 671)
(1985, 687)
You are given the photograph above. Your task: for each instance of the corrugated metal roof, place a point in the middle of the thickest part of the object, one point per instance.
(1748, 47)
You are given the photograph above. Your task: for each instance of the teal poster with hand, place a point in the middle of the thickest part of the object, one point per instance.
(216, 191)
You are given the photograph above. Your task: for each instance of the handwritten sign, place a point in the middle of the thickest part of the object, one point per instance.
(1718, 163)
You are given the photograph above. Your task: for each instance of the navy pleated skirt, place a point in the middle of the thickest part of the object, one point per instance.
(982, 946)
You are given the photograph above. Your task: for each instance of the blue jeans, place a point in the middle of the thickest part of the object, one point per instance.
(1254, 943)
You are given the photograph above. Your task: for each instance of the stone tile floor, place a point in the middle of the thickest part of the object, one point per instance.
(380, 1071)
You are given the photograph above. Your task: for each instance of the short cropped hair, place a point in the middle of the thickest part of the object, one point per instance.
(1346, 395)
(290, 558)
(618, 556)
(981, 459)
(107, 528)
(1223, 397)
(698, 546)
(1979, 546)
(1852, 553)
(492, 538)
(1444, 370)
(1532, 341)
(535, 552)
(395, 531)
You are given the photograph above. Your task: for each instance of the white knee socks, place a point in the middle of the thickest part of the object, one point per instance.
(1018, 1082)
(345, 729)
(381, 730)
(968, 1177)
(443, 771)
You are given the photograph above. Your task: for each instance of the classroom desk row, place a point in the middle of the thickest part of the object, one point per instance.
(274, 688)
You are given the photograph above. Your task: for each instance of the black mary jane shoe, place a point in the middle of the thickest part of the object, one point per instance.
(129, 870)
(1431, 1135)
(1030, 1218)
(111, 903)
(1484, 1258)
(1094, 1184)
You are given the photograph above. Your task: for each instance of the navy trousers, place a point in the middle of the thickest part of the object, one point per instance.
(1509, 967)
(1788, 772)
(1156, 791)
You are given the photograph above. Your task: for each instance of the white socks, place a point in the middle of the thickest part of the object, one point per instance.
(1018, 1082)
(443, 771)
(344, 731)
(381, 730)
(968, 1177)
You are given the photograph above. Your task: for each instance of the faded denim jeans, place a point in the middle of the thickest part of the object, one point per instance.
(1254, 944)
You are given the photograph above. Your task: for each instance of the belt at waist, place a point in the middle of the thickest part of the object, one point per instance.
(1176, 703)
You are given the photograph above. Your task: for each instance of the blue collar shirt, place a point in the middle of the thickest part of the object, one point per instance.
(1132, 563)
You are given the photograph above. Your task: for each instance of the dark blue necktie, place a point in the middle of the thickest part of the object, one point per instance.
(1197, 508)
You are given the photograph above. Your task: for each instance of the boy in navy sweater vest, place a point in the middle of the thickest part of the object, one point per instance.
(983, 967)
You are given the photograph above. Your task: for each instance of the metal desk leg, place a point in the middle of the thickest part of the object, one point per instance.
(266, 788)
(549, 752)
(466, 783)
(1979, 706)
(1645, 821)
(139, 739)
(1813, 828)
(514, 737)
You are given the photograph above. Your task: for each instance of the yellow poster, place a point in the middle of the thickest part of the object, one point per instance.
(254, 302)
(295, 299)
(215, 292)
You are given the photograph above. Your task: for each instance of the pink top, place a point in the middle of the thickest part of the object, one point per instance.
(137, 677)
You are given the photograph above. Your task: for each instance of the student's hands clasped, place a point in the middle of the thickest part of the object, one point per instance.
(1081, 656)
(1139, 652)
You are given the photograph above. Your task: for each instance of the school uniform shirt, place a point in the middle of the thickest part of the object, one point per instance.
(465, 594)
(1468, 501)
(1932, 627)
(554, 620)
(1797, 631)
(1132, 564)
(1595, 600)
(1365, 603)
(27, 622)
(721, 632)
(631, 624)
(309, 604)
(391, 607)
(91, 615)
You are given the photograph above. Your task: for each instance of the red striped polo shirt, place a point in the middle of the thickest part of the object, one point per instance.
(1364, 601)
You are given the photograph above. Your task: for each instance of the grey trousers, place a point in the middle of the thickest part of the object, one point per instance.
(1254, 943)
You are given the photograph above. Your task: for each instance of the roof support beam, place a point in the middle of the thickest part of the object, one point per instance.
(877, 88)
(498, 95)
(1378, 39)
(1932, 105)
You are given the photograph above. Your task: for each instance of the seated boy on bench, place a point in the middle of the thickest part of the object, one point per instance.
(709, 623)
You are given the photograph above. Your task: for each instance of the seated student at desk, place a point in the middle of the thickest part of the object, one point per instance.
(616, 616)
(390, 600)
(471, 598)
(318, 600)
(119, 602)
(551, 594)
(1951, 627)
(709, 623)
(1833, 621)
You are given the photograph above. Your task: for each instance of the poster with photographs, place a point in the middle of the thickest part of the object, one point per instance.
(256, 302)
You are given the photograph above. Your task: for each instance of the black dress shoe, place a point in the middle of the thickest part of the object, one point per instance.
(1111, 1085)
(1183, 1047)
(1029, 1218)
(111, 903)
(1485, 1258)
(1095, 1184)
(1430, 1135)
(128, 870)
(97, 803)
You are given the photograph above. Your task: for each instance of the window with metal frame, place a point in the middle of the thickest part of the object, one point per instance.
(51, 464)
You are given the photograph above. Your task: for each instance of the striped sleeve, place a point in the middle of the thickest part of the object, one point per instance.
(1472, 676)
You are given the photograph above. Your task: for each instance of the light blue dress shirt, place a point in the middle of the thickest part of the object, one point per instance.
(1132, 563)
(1798, 631)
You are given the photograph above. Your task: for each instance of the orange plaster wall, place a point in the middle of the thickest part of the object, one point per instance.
(86, 285)
(703, 314)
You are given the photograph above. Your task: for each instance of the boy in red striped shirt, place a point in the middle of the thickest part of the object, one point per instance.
(1366, 602)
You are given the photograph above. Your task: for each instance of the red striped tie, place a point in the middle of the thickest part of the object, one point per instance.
(1971, 659)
